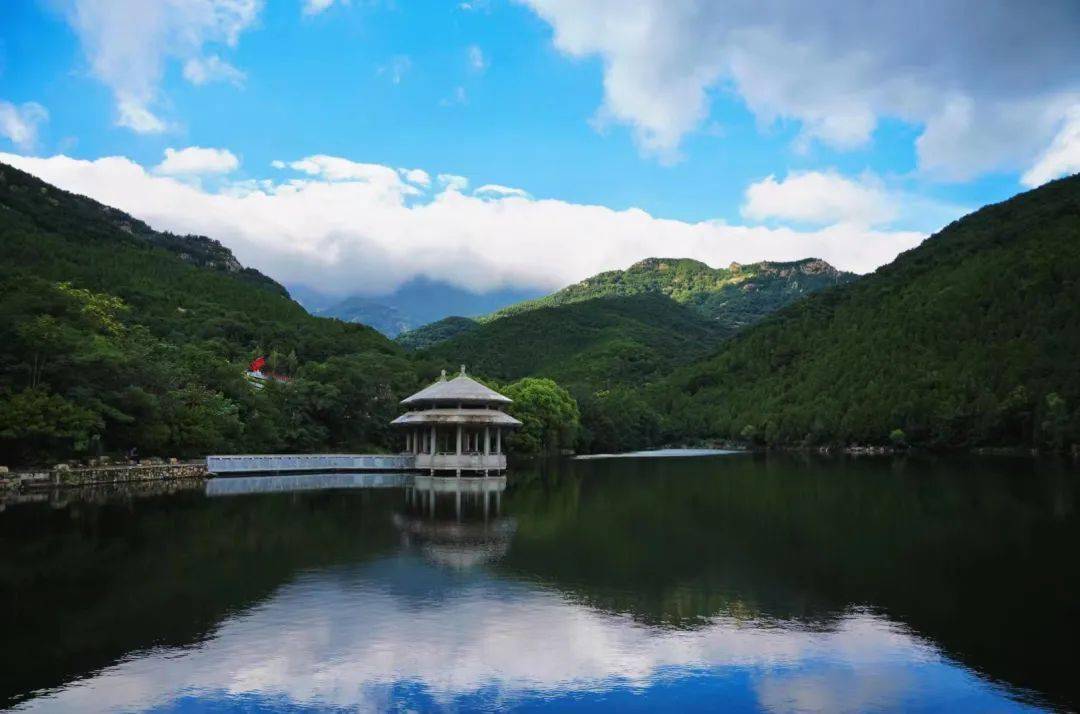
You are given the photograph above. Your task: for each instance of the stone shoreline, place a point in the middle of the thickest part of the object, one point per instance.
(64, 477)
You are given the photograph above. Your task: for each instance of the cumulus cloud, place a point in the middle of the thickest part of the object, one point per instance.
(361, 228)
(19, 122)
(497, 191)
(453, 182)
(195, 160)
(1062, 157)
(418, 177)
(202, 70)
(127, 43)
(987, 96)
(820, 198)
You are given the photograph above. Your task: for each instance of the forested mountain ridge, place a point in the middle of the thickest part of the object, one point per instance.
(589, 345)
(113, 335)
(731, 297)
(734, 297)
(971, 338)
(57, 211)
(439, 331)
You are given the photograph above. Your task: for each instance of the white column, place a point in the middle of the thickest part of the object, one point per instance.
(459, 439)
(498, 440)
(432, 440)
(487, 441)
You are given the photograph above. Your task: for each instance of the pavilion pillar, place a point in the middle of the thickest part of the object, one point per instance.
(498, 440)
(487, 441)
(432, 444)
(459, 439)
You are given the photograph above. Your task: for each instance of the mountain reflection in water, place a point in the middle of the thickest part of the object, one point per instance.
(744, 583)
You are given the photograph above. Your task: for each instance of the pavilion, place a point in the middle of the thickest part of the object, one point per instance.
(456, 425)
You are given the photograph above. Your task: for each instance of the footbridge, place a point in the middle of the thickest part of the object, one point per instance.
(309, 463)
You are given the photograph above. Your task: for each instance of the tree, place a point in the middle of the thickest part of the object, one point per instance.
(549, 415)
(35, 423)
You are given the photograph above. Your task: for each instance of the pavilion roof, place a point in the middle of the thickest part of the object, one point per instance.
(490, 417)
(461, 388)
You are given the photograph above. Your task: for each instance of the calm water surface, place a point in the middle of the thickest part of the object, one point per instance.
(730, 582)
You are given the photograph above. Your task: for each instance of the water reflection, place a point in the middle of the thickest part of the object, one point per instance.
(351, 638)
(478, 534)
(776, 585)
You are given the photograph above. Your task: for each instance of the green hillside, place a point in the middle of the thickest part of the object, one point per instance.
(596, 344)
(972, 338)
(113, 335)
(436, 332)
(733, 297)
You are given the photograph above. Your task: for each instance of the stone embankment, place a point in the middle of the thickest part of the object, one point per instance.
(66, 476)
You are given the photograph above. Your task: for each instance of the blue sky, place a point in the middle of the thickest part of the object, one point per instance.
(664, 107)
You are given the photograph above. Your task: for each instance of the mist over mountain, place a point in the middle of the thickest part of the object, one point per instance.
(417, 302)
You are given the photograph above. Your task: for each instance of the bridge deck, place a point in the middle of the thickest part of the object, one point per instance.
(285, 463)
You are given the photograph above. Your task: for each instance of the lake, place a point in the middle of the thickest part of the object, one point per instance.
(736, 582)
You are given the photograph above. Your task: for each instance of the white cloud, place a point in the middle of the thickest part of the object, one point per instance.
(335, 168)
(201, 70)
(195, 160)
(19, 122)
(477, 61)
(314, 7)
(355, 227)
(1062, 157)
(495, 190)
(396, 68)
(987, 96)
(821, 198)
(133, 114)
(416, 176)
(453, 182)
(127, 43)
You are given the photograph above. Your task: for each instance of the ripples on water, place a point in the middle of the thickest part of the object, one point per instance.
(697, 584)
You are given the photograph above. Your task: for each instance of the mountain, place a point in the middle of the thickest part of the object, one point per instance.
(419, 301)
(114, 335)
(385, 318)
(439, 331)
(589, 345)
(731, 297)
(969, 339)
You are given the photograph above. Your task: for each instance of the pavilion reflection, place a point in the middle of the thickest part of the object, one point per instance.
(456, 522)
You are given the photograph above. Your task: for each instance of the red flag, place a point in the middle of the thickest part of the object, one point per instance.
(257, 364)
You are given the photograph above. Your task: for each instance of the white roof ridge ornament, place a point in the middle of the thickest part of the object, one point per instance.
(462, 370)
(442, 376)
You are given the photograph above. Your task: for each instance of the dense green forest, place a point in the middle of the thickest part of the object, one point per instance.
(116, 336)
(601, 343)
(730, 298)
(972, 338)
(733, 297)
(609, 338)
(113, 336)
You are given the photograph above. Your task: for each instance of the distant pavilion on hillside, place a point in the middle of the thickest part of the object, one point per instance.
(456, 425)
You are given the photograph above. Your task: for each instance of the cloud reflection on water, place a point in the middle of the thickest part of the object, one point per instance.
(352, 638)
